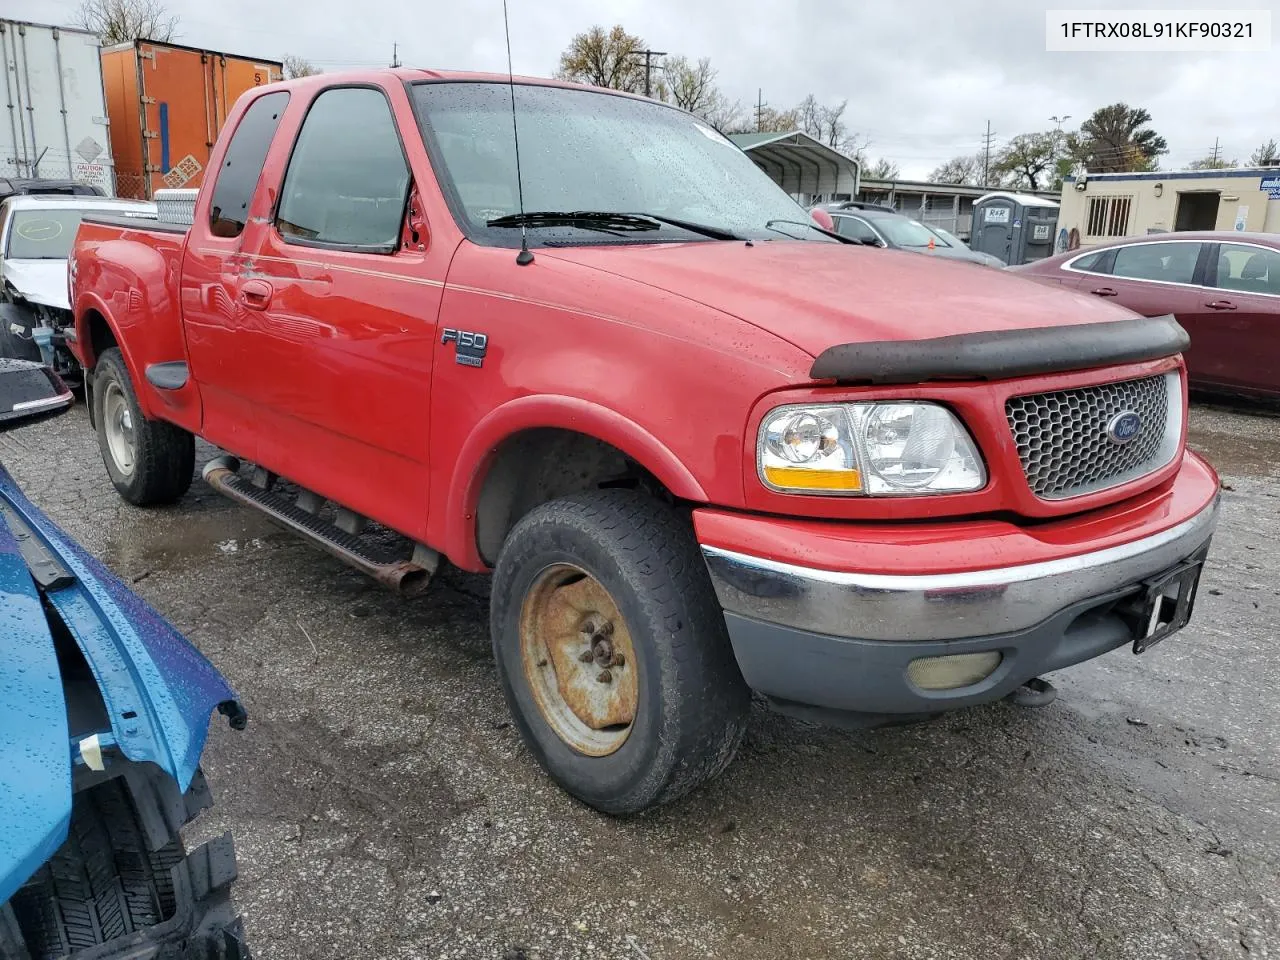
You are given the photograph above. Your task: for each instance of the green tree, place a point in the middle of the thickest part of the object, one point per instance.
(1028, 160)
(603, 59)
(1212, 162)
(1117, 138)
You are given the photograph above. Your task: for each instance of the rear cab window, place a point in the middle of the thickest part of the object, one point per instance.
(242, 164)
(347, 182)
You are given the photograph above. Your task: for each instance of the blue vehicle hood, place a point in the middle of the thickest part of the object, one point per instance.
(159, 691)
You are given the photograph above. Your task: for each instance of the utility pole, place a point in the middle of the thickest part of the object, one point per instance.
(986, 157)
(1215, 151)
(648, 67)
(760, 105)
(395, 58)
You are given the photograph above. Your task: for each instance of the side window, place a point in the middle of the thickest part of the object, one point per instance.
(1248, 269)
(853, 227)
(347, 180)
(1167, 262)
(1091, 263)
(242, 164)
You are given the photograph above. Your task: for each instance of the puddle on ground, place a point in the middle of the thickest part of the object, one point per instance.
(1236, 455)
(176, 541)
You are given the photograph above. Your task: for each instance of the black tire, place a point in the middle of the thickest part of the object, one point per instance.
(692, 702)
(108, 886)
(164, 455)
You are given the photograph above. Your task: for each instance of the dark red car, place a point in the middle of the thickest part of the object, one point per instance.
(1223, 287)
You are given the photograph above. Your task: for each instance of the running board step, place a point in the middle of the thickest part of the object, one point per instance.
(403, 576)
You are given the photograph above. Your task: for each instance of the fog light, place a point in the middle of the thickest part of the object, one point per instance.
(954, 671)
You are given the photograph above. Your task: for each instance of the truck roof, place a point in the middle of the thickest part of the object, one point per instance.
(411, 74)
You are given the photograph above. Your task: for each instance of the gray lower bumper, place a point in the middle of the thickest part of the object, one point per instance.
(843, 642)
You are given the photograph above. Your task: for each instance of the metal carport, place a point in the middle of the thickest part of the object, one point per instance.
(802, 165)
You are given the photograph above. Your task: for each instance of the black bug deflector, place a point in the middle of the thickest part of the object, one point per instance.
(1001, 354)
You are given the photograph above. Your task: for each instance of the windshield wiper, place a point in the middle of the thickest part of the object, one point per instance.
(607, 220)
(585, 219)
(811, 225)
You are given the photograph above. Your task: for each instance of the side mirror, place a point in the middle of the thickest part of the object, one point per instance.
(29, 390)
(822, 219)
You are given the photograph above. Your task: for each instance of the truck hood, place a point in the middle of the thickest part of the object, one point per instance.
(158, 690)
(40, 281)
(818, 295)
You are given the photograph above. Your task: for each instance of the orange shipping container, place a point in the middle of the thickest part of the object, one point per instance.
(166, 104)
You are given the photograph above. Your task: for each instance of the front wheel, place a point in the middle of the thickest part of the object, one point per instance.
(612, 651)
(149, 461)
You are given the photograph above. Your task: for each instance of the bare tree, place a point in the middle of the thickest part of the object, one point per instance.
(690, 86)
(123, 21)
(1268, 152)
(1212, 162)
(296, 66)
(962, 170)
(604, 59)
(881, 169)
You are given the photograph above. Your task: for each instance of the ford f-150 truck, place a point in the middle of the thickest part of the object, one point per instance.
(705, 446)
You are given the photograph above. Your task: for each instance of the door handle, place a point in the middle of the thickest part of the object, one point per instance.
(255, 294)
(1105, 292)
(1220, 305)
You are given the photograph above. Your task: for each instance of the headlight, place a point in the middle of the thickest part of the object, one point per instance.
(880, 449)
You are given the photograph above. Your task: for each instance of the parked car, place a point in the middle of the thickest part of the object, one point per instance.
(36, 233)
(1223, 286)
(106, 708)
(951, 240)
(877, 227)
(703, 446)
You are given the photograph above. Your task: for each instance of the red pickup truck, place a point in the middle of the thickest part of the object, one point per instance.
(705, 446)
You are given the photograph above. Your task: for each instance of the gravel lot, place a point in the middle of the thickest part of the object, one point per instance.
(383, 807)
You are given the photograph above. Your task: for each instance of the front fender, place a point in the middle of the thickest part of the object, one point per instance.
(159, 690)
(564, 412)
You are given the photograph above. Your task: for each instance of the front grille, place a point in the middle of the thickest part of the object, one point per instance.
(1063, 439)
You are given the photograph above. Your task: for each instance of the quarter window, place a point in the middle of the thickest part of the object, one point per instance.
(242, 164)
(1248, 269)
(855, 228)
(347, 180)
(1167, 262)
(1092, 263)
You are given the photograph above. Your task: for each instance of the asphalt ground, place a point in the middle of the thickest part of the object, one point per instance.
(383, 806)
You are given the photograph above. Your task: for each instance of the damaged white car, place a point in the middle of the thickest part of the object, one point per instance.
(36, 234)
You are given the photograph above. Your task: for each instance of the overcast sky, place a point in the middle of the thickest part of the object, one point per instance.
(922, 78)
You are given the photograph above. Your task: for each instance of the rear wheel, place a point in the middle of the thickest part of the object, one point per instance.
(612, 650)
(149, 461)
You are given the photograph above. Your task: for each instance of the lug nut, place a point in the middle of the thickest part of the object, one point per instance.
(605, 677)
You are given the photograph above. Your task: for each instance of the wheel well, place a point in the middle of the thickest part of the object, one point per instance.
(100, 336)
(543, 464)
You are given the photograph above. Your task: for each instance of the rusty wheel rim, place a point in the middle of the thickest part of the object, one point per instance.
(579, 660)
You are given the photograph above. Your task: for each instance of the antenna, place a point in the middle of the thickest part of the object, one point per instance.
(524, 257)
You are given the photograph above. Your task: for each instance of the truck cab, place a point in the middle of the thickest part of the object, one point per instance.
(704, 445)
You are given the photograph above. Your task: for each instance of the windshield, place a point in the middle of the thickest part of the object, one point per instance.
(948, 237)
(43, 234)
(903, 232)
(581, 150)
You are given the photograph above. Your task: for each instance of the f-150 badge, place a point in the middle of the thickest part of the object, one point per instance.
(469, 349)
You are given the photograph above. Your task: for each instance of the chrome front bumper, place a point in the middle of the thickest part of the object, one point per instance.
(980, 603)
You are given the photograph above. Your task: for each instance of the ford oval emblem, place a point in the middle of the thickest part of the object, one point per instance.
(1124, 427)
